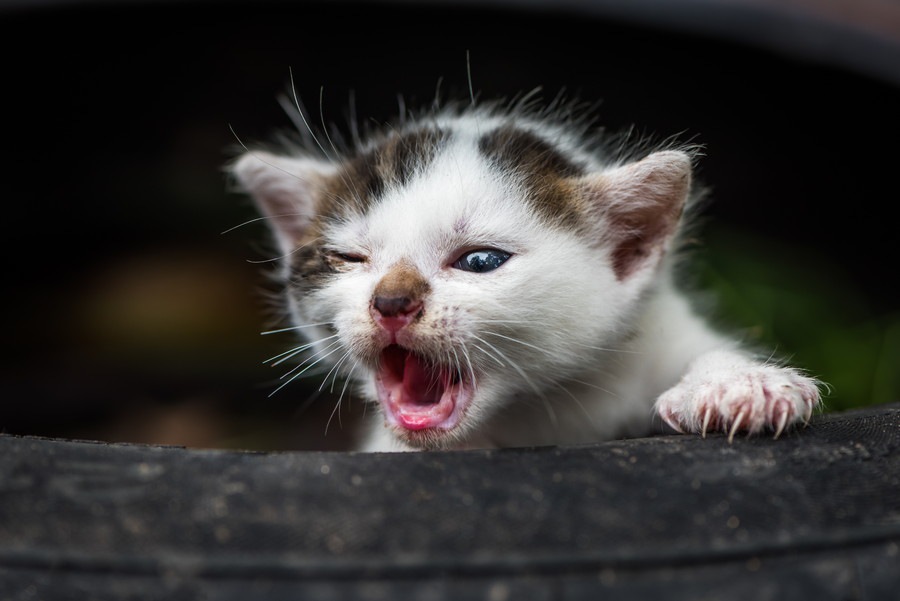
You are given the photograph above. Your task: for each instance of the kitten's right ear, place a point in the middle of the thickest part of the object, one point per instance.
(285, 189)
(640, 206)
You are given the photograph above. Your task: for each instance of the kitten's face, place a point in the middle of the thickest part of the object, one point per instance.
(452, 284)
(455, 298)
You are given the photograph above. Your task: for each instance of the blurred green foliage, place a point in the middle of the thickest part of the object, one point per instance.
(812, 314)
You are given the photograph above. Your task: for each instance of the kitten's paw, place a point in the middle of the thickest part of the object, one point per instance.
(746, 397)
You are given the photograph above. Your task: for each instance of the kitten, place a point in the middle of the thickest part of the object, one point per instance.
(495, 276)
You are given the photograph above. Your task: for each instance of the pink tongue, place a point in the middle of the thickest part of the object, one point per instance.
(417, 394)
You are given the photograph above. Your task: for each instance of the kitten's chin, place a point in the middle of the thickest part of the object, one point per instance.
(421, 399)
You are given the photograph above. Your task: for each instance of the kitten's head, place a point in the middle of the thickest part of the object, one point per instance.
(467, 261)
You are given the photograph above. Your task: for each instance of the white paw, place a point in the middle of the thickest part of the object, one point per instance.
(734, 396)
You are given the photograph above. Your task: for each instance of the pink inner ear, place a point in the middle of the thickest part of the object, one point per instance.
(284, 190)
(288, 216)
(639, 236)
(640, 204)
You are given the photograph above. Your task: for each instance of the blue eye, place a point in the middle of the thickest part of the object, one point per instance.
(481, 261)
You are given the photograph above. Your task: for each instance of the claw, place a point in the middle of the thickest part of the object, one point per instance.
(735, 426)
(706, 416)
(808, 416)
(781, 424)
(672, 423)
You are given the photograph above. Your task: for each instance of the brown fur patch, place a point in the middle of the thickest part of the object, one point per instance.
(364, 177)
(402, 280)
(310, 267)
(361, 181)
(546, 172)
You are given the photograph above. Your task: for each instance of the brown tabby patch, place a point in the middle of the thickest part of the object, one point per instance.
(545, 171)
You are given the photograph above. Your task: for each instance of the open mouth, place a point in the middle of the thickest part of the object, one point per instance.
(418, 394)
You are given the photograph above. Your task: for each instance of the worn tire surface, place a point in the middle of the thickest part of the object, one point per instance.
(814, 515)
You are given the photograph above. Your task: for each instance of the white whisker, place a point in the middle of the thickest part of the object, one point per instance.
(284, 256)
(318, 354)
(578, 402)
(468, 359)
(512, 364)
(290, 353)
(334, 370)
(297, 350)
(486, 352)
(300, 373)
(303, 117)
(554, 420)
(337, 409)
(608, 350)
(351, 184)
(516, 340)
(515, 321)
(322, 119)
(469, 77)
(265, 162)
(551, 413)
(254, 220)
(343, 390)
(588, 384)
(300, 327)
(348, 379)
(456, 363)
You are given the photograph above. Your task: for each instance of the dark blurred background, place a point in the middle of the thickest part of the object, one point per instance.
(129, 316)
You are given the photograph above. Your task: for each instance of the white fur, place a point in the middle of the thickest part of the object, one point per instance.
(561, 350)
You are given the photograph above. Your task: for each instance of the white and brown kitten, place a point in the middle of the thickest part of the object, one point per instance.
(491, 277)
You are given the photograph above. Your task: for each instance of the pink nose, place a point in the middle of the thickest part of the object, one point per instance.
(394, 313)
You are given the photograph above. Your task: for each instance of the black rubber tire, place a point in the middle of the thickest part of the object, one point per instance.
(814, 515)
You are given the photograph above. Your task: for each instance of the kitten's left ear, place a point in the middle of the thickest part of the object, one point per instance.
(286, 190)
(639, 206)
